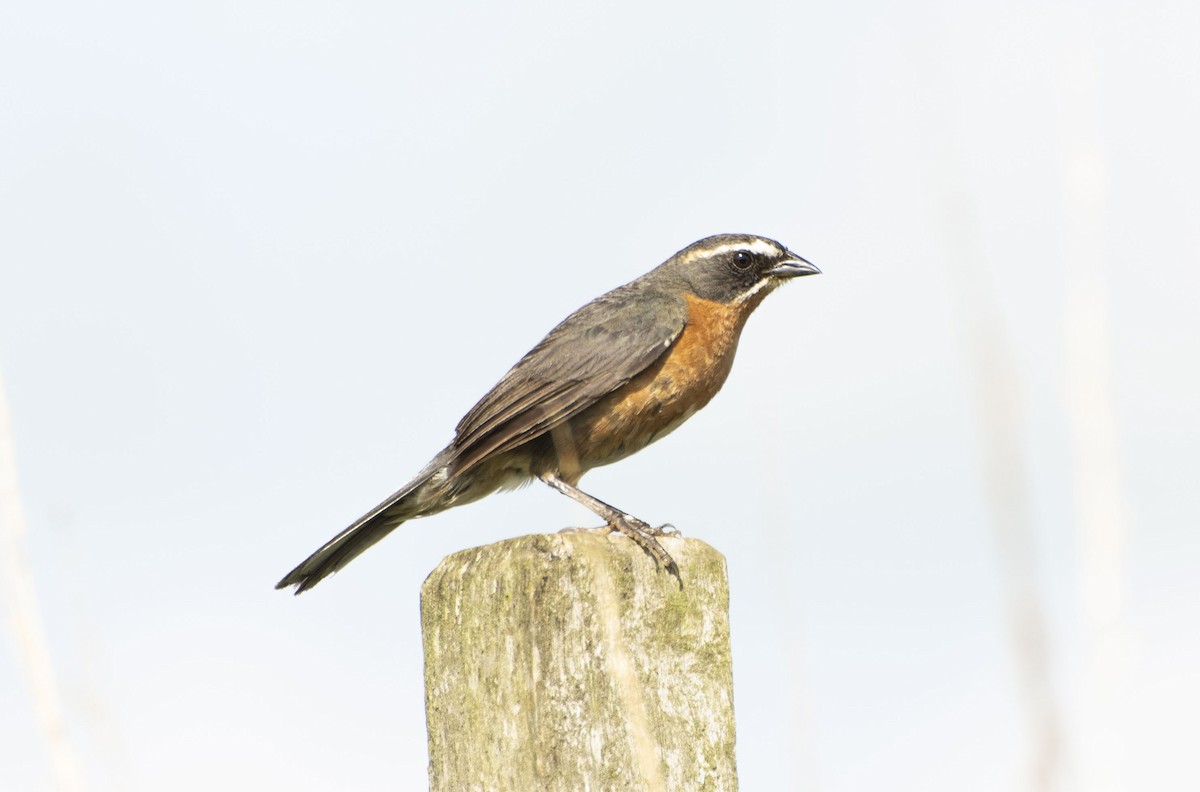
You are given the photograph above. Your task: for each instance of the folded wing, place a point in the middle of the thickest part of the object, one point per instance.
(594, 351)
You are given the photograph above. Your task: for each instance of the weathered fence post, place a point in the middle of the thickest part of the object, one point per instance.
(569, 662)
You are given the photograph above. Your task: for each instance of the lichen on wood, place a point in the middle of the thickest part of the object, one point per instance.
(570, 662)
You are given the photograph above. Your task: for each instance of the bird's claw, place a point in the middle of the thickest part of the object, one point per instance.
(644, 535)
(666, 529)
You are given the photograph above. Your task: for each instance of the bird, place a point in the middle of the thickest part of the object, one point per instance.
(623, 371)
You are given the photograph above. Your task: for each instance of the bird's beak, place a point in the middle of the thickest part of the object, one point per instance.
(793, 267)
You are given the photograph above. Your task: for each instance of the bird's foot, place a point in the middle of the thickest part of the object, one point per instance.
(644, 535)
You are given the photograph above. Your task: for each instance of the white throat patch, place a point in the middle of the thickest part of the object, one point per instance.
(765, 283)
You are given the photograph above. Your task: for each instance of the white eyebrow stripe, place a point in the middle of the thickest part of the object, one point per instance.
(760, 246)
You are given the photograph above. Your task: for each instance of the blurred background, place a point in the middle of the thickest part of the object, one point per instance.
(257, 258)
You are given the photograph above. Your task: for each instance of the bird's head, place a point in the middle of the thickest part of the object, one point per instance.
(731, 268)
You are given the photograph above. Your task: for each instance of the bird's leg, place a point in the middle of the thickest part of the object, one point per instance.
(635, 529)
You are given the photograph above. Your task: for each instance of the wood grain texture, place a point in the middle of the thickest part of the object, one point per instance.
(568, 662)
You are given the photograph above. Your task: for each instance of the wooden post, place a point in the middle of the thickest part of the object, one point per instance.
(569, 662)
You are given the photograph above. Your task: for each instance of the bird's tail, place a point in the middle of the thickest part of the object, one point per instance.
(402, 505)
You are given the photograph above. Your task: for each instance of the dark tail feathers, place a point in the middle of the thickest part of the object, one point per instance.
(339, 551)
(366, 531)
(425, 494)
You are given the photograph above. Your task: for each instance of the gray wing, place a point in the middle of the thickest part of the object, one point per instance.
(591, 353)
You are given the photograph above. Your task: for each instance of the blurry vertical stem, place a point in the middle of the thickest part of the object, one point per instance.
(1098, 490)
(1007, 485)
(996, 379)
(24, 616)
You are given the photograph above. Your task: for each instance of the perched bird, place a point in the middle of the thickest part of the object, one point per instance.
(621, 372)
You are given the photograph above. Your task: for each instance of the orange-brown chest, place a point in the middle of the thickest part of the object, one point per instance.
(670, 391)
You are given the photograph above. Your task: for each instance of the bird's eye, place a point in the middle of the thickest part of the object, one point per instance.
(742, 260)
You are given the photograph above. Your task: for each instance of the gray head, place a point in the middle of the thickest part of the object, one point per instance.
(735, 267)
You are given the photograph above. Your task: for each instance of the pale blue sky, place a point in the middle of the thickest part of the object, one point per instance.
(256, 259)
